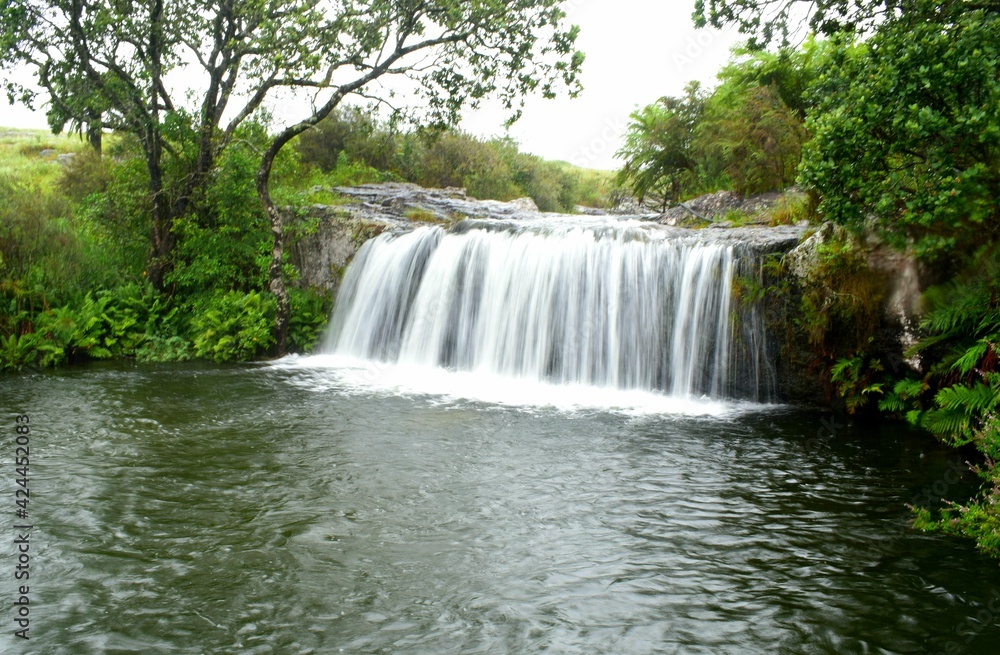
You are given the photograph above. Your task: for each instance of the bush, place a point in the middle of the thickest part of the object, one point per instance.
(233, 326)
(753, 138)
(225, 242)
(309, 315)
(117, 219)
(350, 135)
(83, 174)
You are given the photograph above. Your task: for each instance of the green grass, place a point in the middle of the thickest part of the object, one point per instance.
(22, 161)
(594, 187)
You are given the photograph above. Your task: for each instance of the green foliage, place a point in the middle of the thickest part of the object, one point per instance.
(853, 381)
(789, 72)
(233, 326)
(746, 136)
(71, 286)
(659, 150)
(310, 312)
(750, 136)
(980, 520)
(907, 133)
(227, 244)
(349, 136)
(85, 173)
(108, 323)
(768, 23)
(791, 210)
(959, 399)
(905, 394)
(842, 300)
(118, 217)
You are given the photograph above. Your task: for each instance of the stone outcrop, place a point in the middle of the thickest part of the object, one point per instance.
(402, 201)
(888, 310)
(321, 256)
(712, 208)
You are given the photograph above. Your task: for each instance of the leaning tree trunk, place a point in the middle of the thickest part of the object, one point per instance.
(277, 247)
(274, 215)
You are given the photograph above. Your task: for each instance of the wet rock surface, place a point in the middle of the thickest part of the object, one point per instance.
(395, 201)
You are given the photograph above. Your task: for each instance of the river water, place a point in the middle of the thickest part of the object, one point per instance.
(307, 508)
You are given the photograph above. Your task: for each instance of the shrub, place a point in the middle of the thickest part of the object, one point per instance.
(309, 316)
(233, 326)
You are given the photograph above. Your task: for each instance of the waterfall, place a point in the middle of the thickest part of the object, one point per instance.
(617, 305)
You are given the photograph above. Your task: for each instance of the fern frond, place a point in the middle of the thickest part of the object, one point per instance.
(952, 425)
(909, 388)
(971, 358)
(976, 399)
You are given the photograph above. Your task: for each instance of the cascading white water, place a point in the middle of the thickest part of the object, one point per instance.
(601, 305)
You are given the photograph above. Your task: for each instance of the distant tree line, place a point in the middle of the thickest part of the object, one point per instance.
(746, 135)
(486, 168)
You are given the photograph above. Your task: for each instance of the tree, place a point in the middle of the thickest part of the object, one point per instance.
(906, 136)
(772, 21)
(659, 154)
(789, 71)
(107, 65)
(752, 137)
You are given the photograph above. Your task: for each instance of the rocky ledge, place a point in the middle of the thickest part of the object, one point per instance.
(399, 201)
(712, 209)
(368, 210)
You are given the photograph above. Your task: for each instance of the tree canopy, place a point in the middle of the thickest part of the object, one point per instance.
(659, 152)
(906, 135)
(773, 22)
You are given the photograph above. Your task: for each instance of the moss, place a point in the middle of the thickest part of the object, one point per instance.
(421, 215)
(362, 230)
(833, 312)
(791, 210)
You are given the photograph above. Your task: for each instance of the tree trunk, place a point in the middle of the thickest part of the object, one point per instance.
(274, 216)
(277, 251)
(161, 236)
(95, 132)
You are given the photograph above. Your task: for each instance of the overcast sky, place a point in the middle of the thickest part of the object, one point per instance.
(637, 51)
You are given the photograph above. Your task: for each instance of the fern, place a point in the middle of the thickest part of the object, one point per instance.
(852, 378)
(971, 358)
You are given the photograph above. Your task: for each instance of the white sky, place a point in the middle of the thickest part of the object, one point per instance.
(636, 51)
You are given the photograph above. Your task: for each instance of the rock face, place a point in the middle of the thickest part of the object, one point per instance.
(322, 256)
(883, 330)
(712, 208)
(403, 201)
